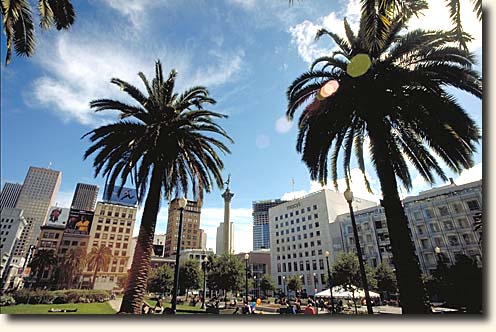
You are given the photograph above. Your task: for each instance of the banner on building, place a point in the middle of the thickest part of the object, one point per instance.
(79, 222)
(57, 216)
(127, 196)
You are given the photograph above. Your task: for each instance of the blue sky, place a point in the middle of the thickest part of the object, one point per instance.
(246, 52)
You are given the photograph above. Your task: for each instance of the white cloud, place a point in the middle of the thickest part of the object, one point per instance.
(294, 194)
(135, 10)
(470, 175)
(78, 69)
(436, 17)
(283, 125)
(262, 141)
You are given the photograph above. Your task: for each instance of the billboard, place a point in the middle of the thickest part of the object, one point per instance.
(126, 197)
(79, 222)
(57, 216)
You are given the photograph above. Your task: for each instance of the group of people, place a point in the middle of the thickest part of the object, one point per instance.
(312, 306)
(158, 309)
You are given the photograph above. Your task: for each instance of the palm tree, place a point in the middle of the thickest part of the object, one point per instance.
(71, 265)
(98, 259)
(399, 101)
(42, 261)
(170, 136)
(18, 23)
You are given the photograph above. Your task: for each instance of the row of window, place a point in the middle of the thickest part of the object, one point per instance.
(297, 221)
(303, 266)
(298, 228)
(299, 246)
(115, 221)
(309, 235)
(443, 211)
(300, 254)
(297, 212)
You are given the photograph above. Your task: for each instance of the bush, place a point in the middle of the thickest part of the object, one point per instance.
(27, 296)
(6, 300)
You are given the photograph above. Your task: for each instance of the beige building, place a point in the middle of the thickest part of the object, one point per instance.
(112, 226)
(191, 238)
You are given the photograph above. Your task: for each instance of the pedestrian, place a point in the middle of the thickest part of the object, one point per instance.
(309, 310)
(158, 307)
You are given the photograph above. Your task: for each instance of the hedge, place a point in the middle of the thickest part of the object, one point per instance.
(27, 296)
(6, 300)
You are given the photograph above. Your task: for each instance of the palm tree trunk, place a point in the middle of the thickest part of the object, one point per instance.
(138, 275)
(94, 276)
(412, 292)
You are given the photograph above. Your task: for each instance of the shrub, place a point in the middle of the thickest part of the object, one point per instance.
(27, 296)
(6, 300)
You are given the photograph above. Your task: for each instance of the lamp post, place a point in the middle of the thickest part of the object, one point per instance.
(182, 202)
(255, 288)
(284, 285)
(348, 195)
(246, 277)
(437, 250)
(329, 281)
(314, 284)
(205, 262)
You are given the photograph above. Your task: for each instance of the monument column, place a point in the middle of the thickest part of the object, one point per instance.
(227, 195)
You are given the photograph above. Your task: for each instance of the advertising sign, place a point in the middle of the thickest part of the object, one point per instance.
(57, 216)
(126, 197)
(79, 222)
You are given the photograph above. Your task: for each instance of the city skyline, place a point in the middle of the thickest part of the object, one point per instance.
(247, 72)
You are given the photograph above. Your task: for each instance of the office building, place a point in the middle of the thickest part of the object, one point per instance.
(191, 227)
(112, 226)
(258, 266)
(300, 235)
(159, 245)
(203, 239)
(37, 195)
(219, 240)
(11, 226)
(261, 232)
(85, 197)
(9, 195)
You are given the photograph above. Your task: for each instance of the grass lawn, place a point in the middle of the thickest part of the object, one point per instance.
(37, 309)
(152, 303)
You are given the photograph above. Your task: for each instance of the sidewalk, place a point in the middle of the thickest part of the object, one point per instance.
(115, 304)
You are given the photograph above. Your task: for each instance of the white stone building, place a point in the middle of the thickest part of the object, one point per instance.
(11, 226)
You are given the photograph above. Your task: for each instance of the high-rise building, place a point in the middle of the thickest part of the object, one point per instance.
(112, 226)
(300, 235)
(11, 226)
(261, 234)
(37, 195)
(191, 227)
(9, 195)
(85, 197)
(219, 240)
(203, 239)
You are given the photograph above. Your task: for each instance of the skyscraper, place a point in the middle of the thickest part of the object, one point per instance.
(9, 195)
(85, 197)
(37, 195)
(191, 238)
(261, 233)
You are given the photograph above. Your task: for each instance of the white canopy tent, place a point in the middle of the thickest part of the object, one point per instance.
(339, 292)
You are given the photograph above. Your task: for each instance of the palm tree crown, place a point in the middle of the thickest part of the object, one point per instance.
(167, 142)
(98, 259)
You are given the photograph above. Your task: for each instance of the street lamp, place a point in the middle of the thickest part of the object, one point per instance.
(348, 195)
(255, 288)
(205, 262)
(182, 202)
(246, 277)
(314, 284)
(329, 281)
(284, 285)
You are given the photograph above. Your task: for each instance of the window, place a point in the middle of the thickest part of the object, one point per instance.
(438, 241)
(429, 213)
(417, 215)
(421, 230)
(424, 243)
(434, 227)
(315, 215)
(453, 240)
(448, 225)
(473, 205)
(457, 207)
(462, 222)
(97, 236)
(468, 238)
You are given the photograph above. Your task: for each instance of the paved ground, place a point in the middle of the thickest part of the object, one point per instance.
(116, 304)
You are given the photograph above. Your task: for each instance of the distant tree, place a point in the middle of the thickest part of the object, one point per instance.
(161, 280)
(294, 283)
(42, 260)
(227, 273)
(98, 259)
(18, 23)
(122, 281)
(386, 279)
(189, 276)
(267, 284)
(71, 266)
(346, 273)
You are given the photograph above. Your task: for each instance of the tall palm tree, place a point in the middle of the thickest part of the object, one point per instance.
(18, 25)
(98, 259)
(170, 137)
(42, 261)
(400, 102)
(71, 265)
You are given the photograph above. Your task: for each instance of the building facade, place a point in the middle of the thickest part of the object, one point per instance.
(11, 226)
(191, 227)
(37, 195)
(159, 245)
(219, 240)
(258, 265)
(84, 197)
(300, 235)
(203, 239)
(10, 194)
(112, 227)
(261, 232)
